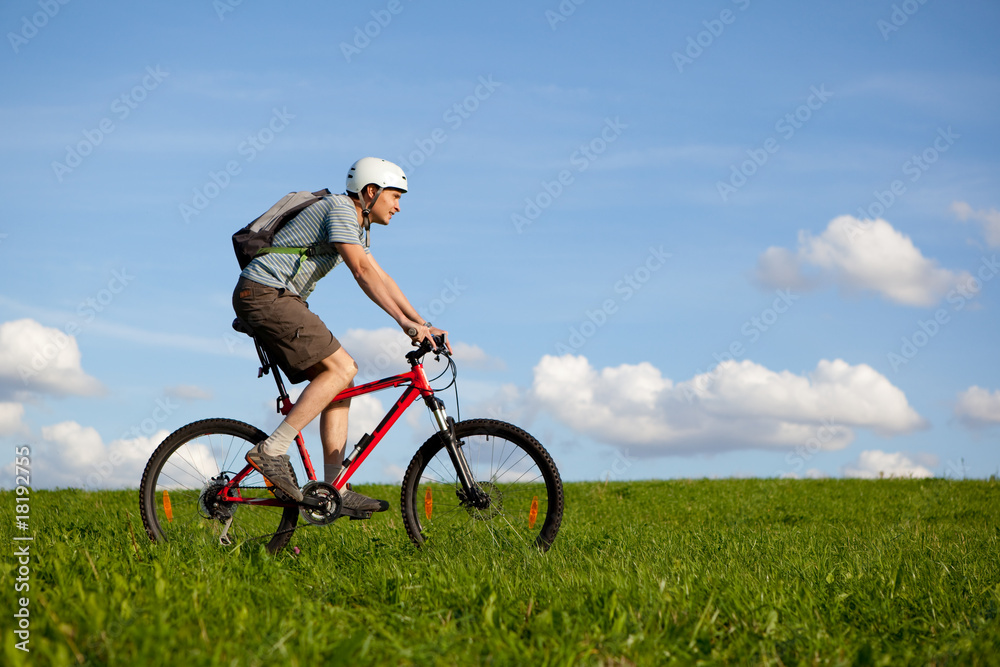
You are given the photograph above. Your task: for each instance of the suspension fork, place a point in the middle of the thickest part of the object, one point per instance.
(446, 427)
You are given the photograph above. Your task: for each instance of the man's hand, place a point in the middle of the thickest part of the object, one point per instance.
(427, 333)
(441, 332)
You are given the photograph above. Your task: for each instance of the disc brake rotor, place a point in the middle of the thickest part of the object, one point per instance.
(493, 506)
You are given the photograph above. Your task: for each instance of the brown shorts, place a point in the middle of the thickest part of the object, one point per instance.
(293, 335)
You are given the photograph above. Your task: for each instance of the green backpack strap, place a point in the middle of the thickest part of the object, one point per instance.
(282, 251)
(309, 251)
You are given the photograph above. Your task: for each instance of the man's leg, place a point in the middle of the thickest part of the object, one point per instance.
(327, 378)
(333, 433)
(333, 429)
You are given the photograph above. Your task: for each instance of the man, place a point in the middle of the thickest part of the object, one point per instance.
(270, 299)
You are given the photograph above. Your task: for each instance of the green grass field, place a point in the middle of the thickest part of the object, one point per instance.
(647, 573)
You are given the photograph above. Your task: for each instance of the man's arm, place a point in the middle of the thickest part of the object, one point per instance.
(404, 303)
(396, 293)
(382, 289)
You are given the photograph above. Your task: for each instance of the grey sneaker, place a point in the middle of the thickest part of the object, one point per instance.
(277, 470)
(355, 501)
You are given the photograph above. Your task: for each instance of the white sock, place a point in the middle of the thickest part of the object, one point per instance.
(279, 441)
(330, 471)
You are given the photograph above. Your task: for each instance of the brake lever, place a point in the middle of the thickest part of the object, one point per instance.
(440, 347)
(436, 349)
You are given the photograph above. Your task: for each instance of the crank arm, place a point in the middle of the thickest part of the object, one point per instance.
(311, 501)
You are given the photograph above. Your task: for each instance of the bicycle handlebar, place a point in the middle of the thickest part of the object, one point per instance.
(425, 348)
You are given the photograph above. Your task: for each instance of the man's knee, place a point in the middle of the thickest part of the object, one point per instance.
(339, 364)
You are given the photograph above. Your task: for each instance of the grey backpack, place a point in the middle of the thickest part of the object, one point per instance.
(256, 238)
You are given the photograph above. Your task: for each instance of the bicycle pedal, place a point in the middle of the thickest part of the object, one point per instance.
(356, 515)
(278, 493)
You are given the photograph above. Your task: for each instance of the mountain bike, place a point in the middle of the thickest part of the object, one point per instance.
(480, 480)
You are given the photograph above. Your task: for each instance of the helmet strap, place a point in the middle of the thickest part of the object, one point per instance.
(365, 210)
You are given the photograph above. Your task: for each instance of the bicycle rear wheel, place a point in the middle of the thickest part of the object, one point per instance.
(512, 468)
(178, 495)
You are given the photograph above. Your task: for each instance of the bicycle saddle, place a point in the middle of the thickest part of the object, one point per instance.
(238, 325)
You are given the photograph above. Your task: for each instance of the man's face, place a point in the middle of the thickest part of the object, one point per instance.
(386, 207)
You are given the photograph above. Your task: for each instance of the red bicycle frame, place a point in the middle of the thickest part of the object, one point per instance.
(416, 384)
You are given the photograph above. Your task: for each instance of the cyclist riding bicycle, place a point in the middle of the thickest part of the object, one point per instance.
(270, 299)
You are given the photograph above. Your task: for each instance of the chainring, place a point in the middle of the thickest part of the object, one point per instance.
(328, 495)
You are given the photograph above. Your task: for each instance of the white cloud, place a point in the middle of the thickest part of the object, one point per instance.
(738, 405)
(10, 419)
(187, 392)
(473, 356)
(78, 444)
(508, 402)
(392, 473)
(74, 455)
(228, 344)
(811, 473)
(378, 352)
(36, 358)
(779, 267)
(860, 256)
(874, 463)
(366, 413)
(989, 220)
(977, 407)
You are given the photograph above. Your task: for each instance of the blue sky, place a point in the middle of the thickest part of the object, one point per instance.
(713, 239)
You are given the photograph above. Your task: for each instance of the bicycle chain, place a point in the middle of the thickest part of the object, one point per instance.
(277, 532)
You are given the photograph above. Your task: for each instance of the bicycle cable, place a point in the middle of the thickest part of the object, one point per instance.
(454, 383)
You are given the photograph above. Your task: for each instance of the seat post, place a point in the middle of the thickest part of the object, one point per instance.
(266, 366)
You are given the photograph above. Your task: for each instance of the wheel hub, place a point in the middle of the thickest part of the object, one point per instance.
(487, 503)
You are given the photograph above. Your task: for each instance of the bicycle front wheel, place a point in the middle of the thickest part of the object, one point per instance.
(178, 496)
(512, 469)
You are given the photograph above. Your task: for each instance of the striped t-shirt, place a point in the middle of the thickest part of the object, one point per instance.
(332, 219)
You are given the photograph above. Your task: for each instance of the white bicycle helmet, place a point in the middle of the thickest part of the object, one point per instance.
(375, 170)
